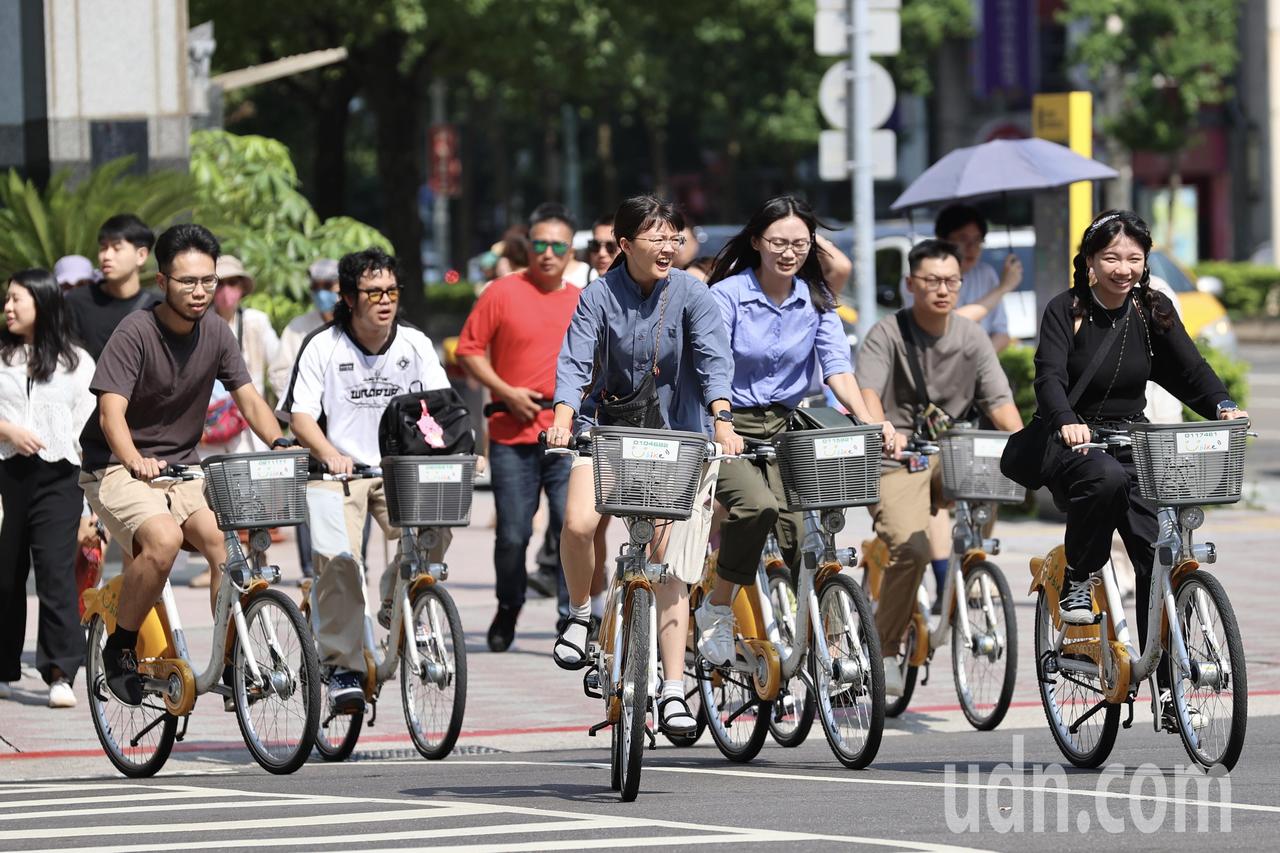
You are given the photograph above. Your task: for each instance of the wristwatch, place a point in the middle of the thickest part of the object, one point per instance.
(1226, 406)
(282, 441)
(725, 416)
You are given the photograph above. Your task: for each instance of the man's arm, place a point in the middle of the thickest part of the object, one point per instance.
(262, 420)
(111, 410)
(313, 438)
(1006, 417)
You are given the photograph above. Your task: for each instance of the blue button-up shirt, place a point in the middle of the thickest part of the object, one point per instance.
(777, 348)
(614, 320)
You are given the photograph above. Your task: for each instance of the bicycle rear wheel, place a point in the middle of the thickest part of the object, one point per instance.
(1068, 697)
(137, 740)
(794, 709)
(278, 718)
(435, 699)
(851, 697)
(985, 671)
(1212, 714)
(633, 696)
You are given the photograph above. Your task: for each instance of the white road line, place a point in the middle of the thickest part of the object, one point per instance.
(762, 836)
(118, 798)
(247, 805)
(237, 825)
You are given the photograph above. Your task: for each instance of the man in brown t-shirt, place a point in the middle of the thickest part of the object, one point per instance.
(153, 383)
(960, 370)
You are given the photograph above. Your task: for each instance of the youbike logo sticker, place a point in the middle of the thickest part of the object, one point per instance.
(440, 473)
(840, 447)
(1207, 441)
(272, 469)
(650, 449)
(989, 448)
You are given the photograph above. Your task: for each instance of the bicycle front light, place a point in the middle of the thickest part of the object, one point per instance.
(1191, 517)
(981, 514)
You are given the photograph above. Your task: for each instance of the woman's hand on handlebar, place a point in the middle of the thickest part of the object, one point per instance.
(558, 436)
(730, 442)
(1232, 414)
(1075, 434)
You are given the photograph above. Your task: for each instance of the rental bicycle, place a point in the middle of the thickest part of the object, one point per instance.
(831, 627)
(977, 606)
(262, 660)
(649, 479)
(1088, 672)
(425, 641)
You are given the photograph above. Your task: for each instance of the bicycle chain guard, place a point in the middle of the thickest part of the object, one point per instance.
(177, 673)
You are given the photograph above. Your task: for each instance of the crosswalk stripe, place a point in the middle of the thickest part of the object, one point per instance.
(247, 805)
(151, 794)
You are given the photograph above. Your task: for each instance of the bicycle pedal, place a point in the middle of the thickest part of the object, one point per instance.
(591, 732)
(591, 684)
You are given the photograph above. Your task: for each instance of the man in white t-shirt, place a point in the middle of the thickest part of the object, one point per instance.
(983, 288)
(347, 372)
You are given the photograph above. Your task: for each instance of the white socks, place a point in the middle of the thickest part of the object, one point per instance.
(576, 633)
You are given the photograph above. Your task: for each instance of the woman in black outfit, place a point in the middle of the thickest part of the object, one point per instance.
(1110, 289)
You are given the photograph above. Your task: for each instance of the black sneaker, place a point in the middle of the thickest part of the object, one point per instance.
(346, 693)
(1075, 602)
(543, 582)
(502, 631)
(120, 666)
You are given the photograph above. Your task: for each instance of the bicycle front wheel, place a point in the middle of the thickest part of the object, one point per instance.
(435, 698)
(985, 668)
(279, 715)
(1213, 709)
(795, 707)
(851, 696)
(1084, 735)
(633, 696)
(137, 740)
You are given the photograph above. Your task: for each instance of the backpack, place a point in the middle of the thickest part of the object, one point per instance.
(400, 433)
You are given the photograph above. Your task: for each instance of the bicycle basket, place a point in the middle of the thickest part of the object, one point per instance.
(1198, 463)
(830, 468)
(971, 467)
(646, 472)
(248, 490)
(428, 491)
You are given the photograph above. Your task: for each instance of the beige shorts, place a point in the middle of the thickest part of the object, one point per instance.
(124, 503)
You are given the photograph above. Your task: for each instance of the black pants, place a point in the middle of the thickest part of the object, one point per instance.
(42, 504)
(1100, 494)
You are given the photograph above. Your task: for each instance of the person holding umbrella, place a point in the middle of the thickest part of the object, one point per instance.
(983, 289)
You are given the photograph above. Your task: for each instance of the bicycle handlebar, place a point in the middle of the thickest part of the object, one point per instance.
(175, 473)
(359, 472)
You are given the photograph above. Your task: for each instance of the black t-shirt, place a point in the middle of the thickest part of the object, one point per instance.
(96, 313)
(167, 379)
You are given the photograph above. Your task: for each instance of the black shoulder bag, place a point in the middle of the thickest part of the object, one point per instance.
(640, 408)
(1026, 455)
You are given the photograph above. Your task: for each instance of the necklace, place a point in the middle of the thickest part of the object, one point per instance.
(1112, 314)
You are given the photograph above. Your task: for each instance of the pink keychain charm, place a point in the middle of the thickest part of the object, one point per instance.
(431, 431)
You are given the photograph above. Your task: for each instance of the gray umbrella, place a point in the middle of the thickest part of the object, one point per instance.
(1001, 166)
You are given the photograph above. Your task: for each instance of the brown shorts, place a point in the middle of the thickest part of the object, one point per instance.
(124, 503)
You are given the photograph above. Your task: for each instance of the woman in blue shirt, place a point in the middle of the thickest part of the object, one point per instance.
(643, 301)
(782, 326)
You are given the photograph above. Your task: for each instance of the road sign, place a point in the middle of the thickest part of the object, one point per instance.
(833, 155)
(833, 93)
(831, 29)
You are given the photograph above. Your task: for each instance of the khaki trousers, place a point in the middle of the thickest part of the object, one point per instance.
(338, 598)
(901, 520)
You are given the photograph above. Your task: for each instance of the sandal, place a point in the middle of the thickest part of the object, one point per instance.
(561, 642)
(667, 724)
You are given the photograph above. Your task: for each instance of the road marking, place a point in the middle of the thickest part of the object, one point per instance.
(165, 793)
(247, 805)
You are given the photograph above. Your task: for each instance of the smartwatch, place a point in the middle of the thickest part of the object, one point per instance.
(725, 416)
(1226, 406)
(284, 442)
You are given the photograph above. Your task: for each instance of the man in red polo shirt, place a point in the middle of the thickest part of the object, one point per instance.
(510, 343)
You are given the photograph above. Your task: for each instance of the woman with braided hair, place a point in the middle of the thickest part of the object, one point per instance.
(1111, 291)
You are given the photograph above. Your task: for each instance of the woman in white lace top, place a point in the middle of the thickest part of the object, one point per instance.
(44, 402)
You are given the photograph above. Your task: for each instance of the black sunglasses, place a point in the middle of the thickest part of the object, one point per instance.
(608, 245)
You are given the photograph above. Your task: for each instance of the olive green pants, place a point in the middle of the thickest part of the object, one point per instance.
(755, 502)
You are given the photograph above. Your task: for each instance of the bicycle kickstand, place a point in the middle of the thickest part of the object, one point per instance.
(591, 732)
(653, 741)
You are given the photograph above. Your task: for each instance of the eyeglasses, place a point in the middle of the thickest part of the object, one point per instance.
(663, 242)
(187, 286)
(932, 282)
(376, 297)
(777, 245)
(557, 247)
(608, 246)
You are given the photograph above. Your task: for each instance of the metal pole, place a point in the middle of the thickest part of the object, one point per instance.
(860, 169)
(440, 213)
(1273, 123)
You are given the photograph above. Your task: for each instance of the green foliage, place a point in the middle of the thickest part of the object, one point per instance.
(1172, 58)
(455, 299)
(926, 24)
(247, 193)
(1234, 373)
(1019, 366)
(278, 307)
(38, 227)
(1247, 289)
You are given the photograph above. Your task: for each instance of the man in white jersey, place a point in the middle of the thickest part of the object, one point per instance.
(347, 372)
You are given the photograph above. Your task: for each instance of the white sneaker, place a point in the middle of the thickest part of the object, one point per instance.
(1075, 604)
(893, 685)
(61, 695)
(715, 632)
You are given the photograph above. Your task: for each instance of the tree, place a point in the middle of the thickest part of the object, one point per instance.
(926, 24)
(1162, 62)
